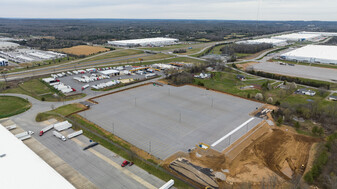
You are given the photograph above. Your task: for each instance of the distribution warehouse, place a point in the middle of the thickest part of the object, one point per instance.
(22, 168)
(300, 37)
(158, 41)
(274, 42)
(314, 54)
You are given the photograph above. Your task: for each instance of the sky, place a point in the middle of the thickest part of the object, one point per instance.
(325, 10)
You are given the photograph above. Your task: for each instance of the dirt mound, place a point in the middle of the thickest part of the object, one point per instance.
(273, 158)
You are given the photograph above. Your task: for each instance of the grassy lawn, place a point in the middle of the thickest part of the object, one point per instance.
(46, 63)
(63, 110)
(10, 105)
(114, 54)
(148, 58)
(227, 82)
(195, 48)
(242, 55)
(168, 47)
(41, 91)
(169, 60)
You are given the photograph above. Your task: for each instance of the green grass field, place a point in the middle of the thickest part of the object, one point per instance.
(114, 54)
(227, 82)
(41, 91)
(10, 105)
(147, 58)
(63, 110)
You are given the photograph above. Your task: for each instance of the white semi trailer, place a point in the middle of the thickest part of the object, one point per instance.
(24, 134)
(74, 134)
(62, 126)
(11, 127)
(59, 135)
(44, 130)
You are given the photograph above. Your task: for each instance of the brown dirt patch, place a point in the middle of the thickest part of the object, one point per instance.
(246, 65)
(84, 50)
(269, 156)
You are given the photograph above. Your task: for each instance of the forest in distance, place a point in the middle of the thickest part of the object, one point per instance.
(61, 33)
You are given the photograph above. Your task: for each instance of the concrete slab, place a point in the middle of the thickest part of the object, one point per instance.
(310, 72)
(164, 120)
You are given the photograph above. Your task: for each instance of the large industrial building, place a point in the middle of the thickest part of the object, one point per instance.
(158, 41)
(274, 42)
(300, 37)
(22, 168)
(325, 34)
(313, 54)
(3, 62)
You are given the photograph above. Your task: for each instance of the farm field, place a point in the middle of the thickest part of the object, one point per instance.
(83, 50)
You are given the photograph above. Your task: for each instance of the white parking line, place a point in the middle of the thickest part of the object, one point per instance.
(233, 131)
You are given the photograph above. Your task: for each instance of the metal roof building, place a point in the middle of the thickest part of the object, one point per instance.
(22, 168)
(300, 37)
(313, 54)
(274, 42)
(158, 41)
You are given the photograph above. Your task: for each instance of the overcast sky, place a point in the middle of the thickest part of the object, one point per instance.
(173, 9)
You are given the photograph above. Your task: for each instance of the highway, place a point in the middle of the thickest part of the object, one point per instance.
(82, 64)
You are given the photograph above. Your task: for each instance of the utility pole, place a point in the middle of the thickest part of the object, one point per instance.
(5, 78)
(113, 128)
(180, 117)
(150, 146)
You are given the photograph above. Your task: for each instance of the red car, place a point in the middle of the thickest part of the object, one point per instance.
(125, 163)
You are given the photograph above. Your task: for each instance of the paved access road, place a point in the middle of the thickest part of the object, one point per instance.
(165, 120)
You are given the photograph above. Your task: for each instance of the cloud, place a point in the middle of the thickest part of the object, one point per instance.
(173, 9)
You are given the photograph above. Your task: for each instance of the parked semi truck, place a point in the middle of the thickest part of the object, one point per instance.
(11, 127)
(62, 126)
(74, 134)
(59, 135)
(24, 135)
(44, 130)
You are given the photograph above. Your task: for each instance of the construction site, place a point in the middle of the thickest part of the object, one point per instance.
(209, 139)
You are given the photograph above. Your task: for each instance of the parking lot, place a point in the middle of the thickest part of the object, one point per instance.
(310, 72)
(163, 120)
(69, 80)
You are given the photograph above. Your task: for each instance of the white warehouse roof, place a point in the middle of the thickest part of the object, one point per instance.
(326, 34)
(22, 168)
(313, 53)
(158, 41)
(275, 42)
(108, 72)
(299, 37)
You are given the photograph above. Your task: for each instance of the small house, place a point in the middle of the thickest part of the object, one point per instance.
(333, 98)
(241, 77)
(306, 92)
